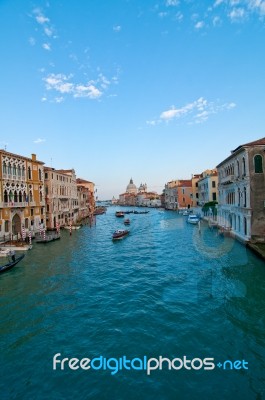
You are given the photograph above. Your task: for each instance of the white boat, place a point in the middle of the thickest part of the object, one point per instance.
(185, 212)
(193, 219)
(5, 252)
(73, 227)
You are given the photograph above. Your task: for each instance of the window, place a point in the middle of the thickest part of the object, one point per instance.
(48, 208)
(5, 196)
(46, 175)
(213, 184)
(245, 197)
(214, 196)
(29, 173)
(9, 169)
(26, 223)
(238, 168)
(6, 226)
(245, 226)
(39, 174)
(4, 168)
(258, 164)
(243, 166)
(31, 212)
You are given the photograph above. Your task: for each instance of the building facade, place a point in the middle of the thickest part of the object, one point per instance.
(241, 208)
(208, 186)
(62, 206)
(22, 201)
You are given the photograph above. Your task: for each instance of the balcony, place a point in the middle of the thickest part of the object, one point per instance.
(227, 180)
(12, 204)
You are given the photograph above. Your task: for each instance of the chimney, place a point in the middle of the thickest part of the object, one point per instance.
(33, 157)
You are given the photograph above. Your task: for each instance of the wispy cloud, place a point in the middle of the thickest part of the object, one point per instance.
(117, 28)
(39, 140)
(46, 46)
(32, 41)
(64, 85)
(173, 3)
(199, 25)
(44, 22)
(237, 14)
(198, 111)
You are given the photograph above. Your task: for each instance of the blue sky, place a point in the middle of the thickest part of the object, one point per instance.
(153, 90)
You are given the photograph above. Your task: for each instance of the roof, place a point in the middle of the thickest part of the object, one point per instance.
(7, 153)
(259, 142)
(80, 180)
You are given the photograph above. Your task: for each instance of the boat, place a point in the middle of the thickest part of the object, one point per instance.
(49, 237)
(193, 219)
(73, 227)
(127, 221)
(100, 210)
(119, 214)
(185, 212)
(11, 263)
(120, 234)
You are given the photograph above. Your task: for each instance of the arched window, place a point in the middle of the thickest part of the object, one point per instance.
(9, 169)
(39, 174)
(245, 226)
(4, 168)
(14, 170)
(30, 196)
(29, 173)
(245, 197)
(40, 196)
(15, 196)
(258, 164)
(26, 223)
(19, 170)
(20, 196)
(5, 196)
(23, 171)
(238, 194)
(244, 166)
(238, 168)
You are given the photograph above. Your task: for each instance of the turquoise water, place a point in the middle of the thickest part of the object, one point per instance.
(165, 290)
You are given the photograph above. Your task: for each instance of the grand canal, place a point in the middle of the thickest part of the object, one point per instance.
(165, 290)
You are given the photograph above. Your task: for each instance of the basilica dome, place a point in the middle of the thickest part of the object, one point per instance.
(131, 188)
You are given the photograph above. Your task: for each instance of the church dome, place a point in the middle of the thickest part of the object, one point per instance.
(131, 188)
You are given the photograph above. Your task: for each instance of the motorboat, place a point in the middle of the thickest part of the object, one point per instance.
(120, 234)
(127, 221)
(119, 214)
(11, 263)
(193, 219)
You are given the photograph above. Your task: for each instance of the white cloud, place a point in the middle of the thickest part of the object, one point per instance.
(60, 83)
(41, 19)
(198, 111)
(48, 31)
(39, 140)
(237, 14)
(218, 2)
(32, 41)
(199, 25)
(46, 46)
(162, 14)
(117, 28)
(217, 21)
(173, 3)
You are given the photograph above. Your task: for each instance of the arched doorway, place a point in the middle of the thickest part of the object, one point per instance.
(16, 224)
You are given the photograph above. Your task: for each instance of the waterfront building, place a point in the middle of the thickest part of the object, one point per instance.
(195, 191)
(131, 188)
(241, 208)
(127, 199)
(61, 197)
(178, 194)
(208, 186)
(85, 197)
(22, 203)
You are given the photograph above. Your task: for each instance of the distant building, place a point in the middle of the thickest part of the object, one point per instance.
(178, 194)
(131, 188)
(241, 208)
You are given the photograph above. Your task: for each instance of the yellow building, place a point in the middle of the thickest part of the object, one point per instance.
(22, 203)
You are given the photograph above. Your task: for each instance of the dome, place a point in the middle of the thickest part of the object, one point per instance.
(131, 188)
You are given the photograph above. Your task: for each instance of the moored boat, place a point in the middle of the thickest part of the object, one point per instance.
(120, 234)
(11, 263)
(193, 219)
(73, 227)
(127, 221)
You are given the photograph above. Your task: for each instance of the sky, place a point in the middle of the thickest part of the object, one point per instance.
(149, 90)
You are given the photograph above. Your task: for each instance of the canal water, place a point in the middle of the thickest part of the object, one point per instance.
(165, 290)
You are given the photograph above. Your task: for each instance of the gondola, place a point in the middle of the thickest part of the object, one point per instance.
(11, 264)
